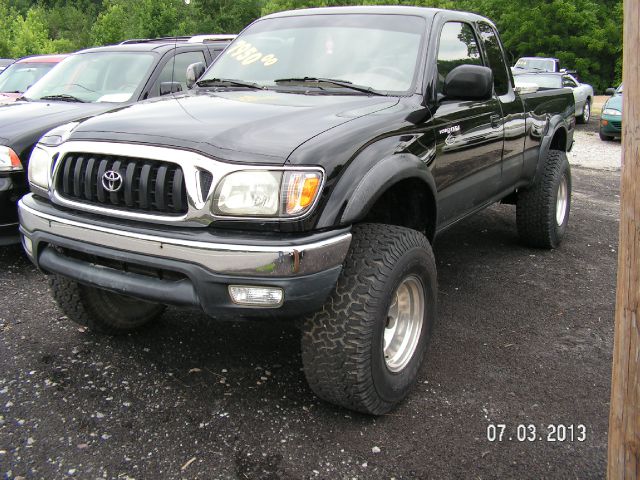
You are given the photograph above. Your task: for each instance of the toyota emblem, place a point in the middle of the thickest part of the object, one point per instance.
(112, 181)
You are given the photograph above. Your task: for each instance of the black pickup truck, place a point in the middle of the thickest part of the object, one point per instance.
(306, 176)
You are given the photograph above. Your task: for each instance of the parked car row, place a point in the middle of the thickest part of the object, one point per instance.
(22, 74)
(583, 93)
(86, 83)
(532, 73)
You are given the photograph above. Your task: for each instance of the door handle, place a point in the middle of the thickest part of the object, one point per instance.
(495, 120)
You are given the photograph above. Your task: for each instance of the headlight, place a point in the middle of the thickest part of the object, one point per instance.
(9, 160)
(611, 111)
(266, 193)
(39, 168)
(249, 193)
(58, 135)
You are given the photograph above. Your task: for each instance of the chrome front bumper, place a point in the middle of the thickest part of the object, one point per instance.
(283, 260)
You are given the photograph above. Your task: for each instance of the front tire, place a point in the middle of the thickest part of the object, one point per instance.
(605, 138)
(542, 210)
(100, 310)
(363, 350)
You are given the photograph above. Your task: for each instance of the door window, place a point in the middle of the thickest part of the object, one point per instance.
(177, 72)
(495, 57)
(458, 46)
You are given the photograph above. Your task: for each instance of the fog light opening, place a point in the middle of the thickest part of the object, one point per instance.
(256, 296)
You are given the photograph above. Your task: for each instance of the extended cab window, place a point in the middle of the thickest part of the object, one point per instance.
(177, 72)
(458, 46)
(495, 58)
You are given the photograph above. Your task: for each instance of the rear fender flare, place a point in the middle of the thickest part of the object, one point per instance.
(556, 125)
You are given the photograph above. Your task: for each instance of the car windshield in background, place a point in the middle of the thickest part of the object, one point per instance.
(94, 77)
(619, 90)
(379, 52)
(20, 76)
(536, 64)
(543, 81)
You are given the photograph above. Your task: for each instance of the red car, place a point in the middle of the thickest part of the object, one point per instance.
(23, 73)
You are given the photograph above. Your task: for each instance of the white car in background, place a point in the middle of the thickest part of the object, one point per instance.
(582, 92)
(537, 64)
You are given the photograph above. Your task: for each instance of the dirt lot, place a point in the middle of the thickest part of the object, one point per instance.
(524, 338)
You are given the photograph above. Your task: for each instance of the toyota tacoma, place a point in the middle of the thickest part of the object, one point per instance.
(306, 176)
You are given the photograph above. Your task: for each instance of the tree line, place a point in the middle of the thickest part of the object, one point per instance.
(586, 35)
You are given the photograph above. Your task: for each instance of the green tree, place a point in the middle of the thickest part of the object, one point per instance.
(123, 19)
(30, 34)
(225, 16)
(8, 17)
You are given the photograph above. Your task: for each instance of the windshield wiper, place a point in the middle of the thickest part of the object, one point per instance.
(225, 82)
(332, 81)
(63, 97)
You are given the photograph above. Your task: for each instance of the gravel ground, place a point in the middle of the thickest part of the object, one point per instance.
(524, 338)
(591, 152)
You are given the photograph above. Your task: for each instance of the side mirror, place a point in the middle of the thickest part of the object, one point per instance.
(469, 82)
(194, 72)
(170, 87)
(610, 91)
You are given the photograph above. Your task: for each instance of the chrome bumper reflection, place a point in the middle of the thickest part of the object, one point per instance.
(230, 259)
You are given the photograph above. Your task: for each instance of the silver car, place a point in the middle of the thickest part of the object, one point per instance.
(582, 92)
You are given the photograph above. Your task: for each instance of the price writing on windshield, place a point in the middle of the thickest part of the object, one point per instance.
(246, 54)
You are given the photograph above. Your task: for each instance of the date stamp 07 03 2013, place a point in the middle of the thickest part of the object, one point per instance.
(500, 432)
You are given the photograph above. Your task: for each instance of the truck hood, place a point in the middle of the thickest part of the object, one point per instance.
(238, 126)
(23, 123)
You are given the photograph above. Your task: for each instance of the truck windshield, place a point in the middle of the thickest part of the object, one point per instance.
(376, 51)
(540, 64)
(94, 77)
(20, 76)
(543, 81)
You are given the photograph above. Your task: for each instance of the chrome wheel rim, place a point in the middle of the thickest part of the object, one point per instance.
(404, 323)
(586, 112)
(562, 201)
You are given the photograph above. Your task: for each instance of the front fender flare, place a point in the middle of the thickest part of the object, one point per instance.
(356, 201)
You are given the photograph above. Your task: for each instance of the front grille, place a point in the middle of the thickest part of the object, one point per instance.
(147, 186)
(617, 124)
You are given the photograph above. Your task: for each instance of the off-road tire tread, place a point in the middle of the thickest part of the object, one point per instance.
(337, 341)
(78, 303)
(535, 207)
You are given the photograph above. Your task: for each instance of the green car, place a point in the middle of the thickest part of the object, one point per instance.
(611, 118)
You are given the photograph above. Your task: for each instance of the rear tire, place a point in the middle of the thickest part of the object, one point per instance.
(100, 310)
(586, 112)
(364, 349)
(542, 211)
